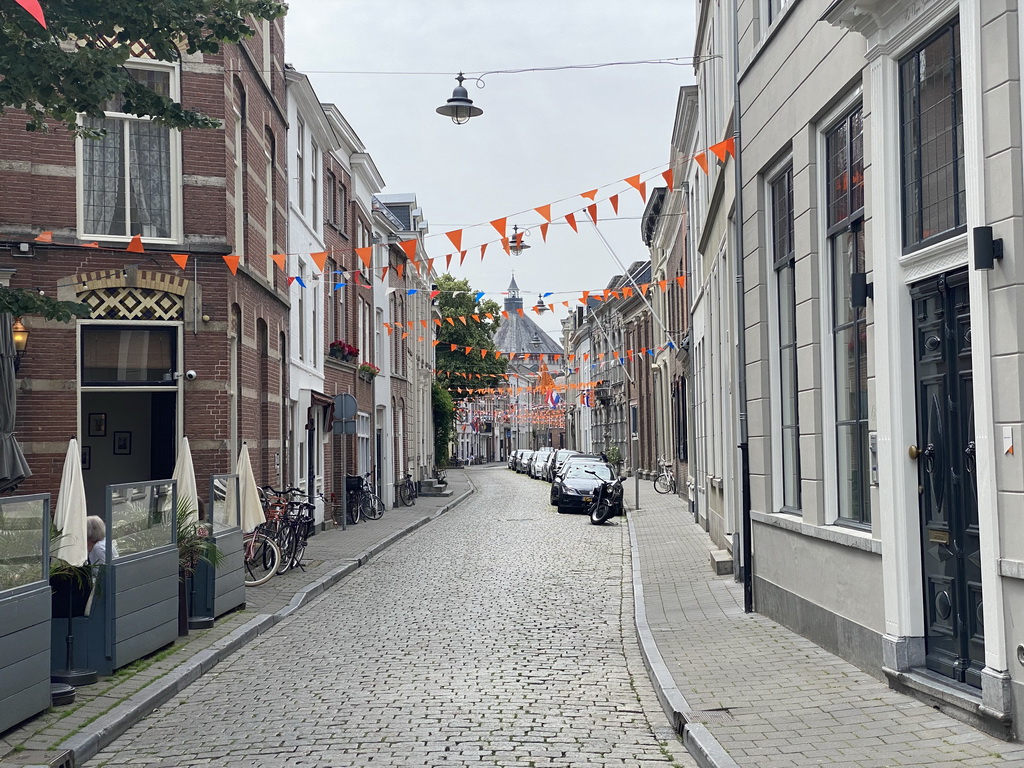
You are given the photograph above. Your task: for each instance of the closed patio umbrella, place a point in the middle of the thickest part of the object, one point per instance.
(252, 510)
(70, 512)
(185, 474)
(13, 467)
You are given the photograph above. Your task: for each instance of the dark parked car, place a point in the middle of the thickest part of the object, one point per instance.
(522, 462)
(578, 459)
(555, 460)
(574, 491)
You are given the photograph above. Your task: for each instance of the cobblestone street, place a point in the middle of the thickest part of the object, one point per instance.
(499, 635)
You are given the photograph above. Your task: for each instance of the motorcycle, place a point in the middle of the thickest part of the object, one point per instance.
(607, 500)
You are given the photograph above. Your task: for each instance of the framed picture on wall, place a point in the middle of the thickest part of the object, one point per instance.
(86, 457)
(122, 443)
(97, 425)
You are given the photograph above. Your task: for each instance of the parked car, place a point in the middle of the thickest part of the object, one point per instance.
(540, 456)
(555, 461)
(575, 488)
(524, 457)
(513, 456)
(577, 460)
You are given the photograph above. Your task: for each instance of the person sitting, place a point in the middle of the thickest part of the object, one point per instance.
(96, 540)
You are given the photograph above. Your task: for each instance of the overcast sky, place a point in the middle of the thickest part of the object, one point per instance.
(543, 136)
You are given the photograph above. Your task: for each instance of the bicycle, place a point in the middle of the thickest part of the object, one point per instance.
(440, 476)
(665, 482)
(407, 490)
(261, 557)
(366, 501)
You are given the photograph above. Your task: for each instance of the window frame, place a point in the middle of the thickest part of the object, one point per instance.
(788, 496)
(175, 161)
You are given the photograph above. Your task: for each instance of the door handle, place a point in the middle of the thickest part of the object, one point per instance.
(913, 452)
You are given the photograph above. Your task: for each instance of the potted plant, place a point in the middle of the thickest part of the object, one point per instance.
(342, 350)
(194, 545)
(368, 370)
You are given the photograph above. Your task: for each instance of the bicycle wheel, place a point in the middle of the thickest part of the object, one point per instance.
(286, 543)
(405, 494)
(262, 557)
(305, 530)
(663, 484)
(371, 507)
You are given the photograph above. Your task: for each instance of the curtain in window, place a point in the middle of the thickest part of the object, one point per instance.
(149, 152)
(102, 179)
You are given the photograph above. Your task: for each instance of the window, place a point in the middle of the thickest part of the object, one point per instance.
(331, 203)
(342, 207)
(844, 147)
(931, 120)
(364, 456)
(268, 193)
(129, 177)
(784, 259)
(300, 343)
(240, 172)
(314, 174)
(300, 165)
(128, 355)
(775, 8)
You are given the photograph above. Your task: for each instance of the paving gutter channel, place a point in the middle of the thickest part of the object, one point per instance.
(86, 743)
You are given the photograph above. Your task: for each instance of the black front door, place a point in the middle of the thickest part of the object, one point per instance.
(954, 633)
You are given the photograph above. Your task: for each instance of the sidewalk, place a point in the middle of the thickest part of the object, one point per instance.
(745, 691)
(103, 711)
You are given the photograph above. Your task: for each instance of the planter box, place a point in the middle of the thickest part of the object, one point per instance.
(221, 589)
(24, 608)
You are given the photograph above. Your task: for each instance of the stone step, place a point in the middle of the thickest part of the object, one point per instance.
(435, 490)
(721, 562)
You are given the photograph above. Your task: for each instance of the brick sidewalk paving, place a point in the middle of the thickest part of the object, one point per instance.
(101, 712)
(746, 691)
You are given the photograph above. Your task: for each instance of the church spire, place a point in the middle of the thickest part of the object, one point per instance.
(513, 301)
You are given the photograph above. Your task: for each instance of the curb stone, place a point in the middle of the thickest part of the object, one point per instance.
(87, 743)
(697, 739)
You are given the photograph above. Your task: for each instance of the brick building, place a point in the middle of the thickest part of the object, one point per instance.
(116, 379)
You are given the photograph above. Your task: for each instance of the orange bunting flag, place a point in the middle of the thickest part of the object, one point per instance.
(572, 221)
(462, 319)
(476, 317)
(437, 321)
(409, 246)
(644, 287)
(181, 259)
(663, 284)
(90, 245)
(614, 200)
(45, 237)
(545, 211)
(320, 259)
(405, 334)
(701, 158)
(586, 356)
(489, 316)
(681, 279)
(497, 354)
(462, 257)
(627, 291)
(383, 272)
(504, 244)
(456, 237)
(388, 328)
(280, 259)
(589, 195)
(454, 347)
(544, 231)
(423, 323)
(450, 321)
(719, 149)
(520, 311)
(565, 303)
(639, 186)
(400, 269)
(504, 313)
(468, 350)
(552, 307)
(232, 262)
(499, 224)
(483, 250)
(430, 265)
(592, 210)
(483, 353)
(584, 297)
(535, 310)
(135, 246)
(667, 176)
(365, 255)
(435, 342)
(34, 10)
(448, 261)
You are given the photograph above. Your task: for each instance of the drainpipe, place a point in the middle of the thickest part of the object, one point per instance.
(741, 335)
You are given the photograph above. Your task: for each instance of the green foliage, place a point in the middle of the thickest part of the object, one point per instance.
(194, 542)
(444, 422)
(478, 335)
(21, 301)
(614, 455)
(51, 80)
